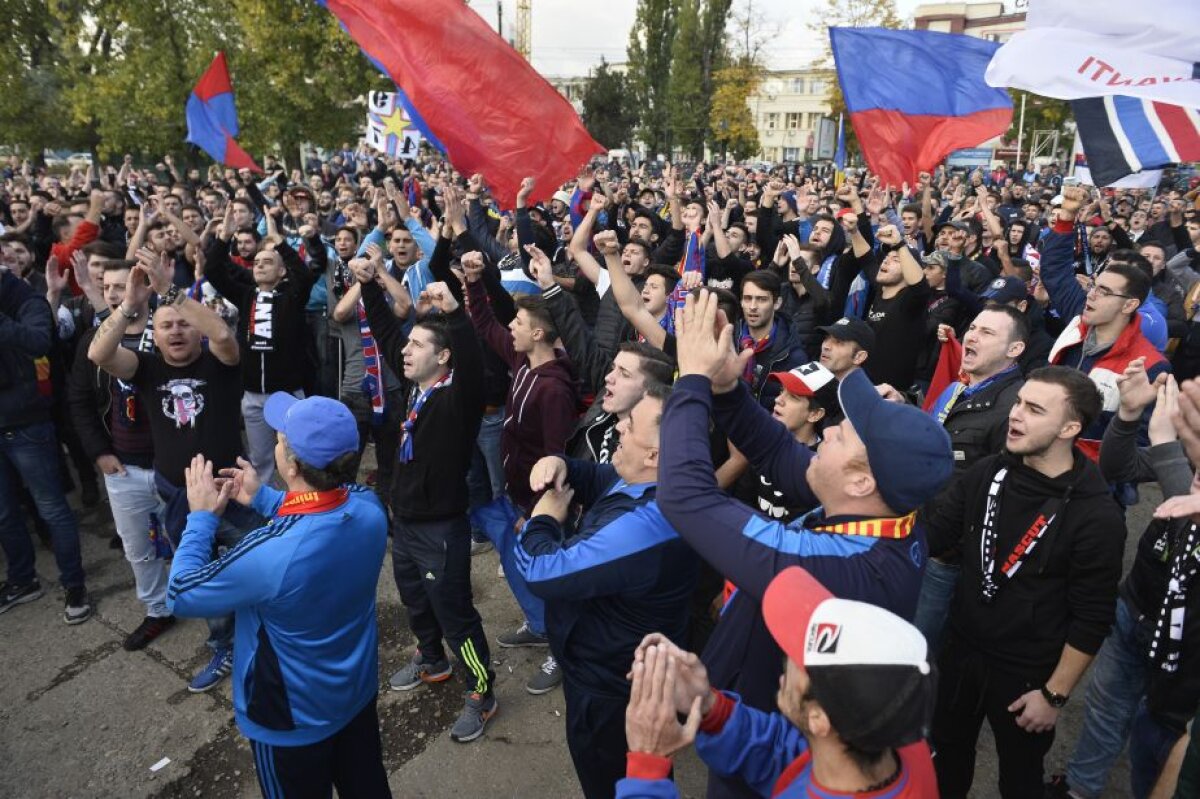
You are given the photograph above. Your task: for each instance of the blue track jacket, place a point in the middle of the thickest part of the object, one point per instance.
(623, 575)
(302, 588)
(771, 756)
(750, 549)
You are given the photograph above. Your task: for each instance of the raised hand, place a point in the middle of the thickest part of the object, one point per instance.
(651, 719)
(440, 297)
(889, 235)
(243, 481)
(539, 264)
(363, 269)
(202, 491)
(524, 192)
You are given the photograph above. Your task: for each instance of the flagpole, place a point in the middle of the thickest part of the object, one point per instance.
(1021, 130)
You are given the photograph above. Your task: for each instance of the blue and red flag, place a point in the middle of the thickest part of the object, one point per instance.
(692, 261)
(212, 118)
(451, 65)
(916, 96)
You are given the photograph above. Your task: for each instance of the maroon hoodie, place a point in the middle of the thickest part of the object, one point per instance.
(542, 404)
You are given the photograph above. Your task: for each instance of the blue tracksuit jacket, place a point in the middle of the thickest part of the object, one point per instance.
(750, 549)
(624, 574)
(302, 588)
(771, 756)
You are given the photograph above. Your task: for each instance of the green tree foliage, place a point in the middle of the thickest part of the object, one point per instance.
(687, 105)
(697, 53)
(849, 14)
(730, 118)
(649, 70)
(607, 112)
(1041, 113)
(115, 76)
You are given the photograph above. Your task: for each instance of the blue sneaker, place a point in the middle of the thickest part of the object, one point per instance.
(217, 669)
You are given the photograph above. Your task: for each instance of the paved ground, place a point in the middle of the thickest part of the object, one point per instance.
(80, 717)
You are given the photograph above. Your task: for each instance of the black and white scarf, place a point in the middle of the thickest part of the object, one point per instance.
(1184, 556)
(259, 330)
(994, 573)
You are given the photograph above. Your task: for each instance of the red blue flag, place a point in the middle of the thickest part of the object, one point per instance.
(212, 118)
(916, 96)
(453, 67)
(692, 261)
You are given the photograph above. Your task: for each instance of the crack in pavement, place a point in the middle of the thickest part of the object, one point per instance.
(74, 668)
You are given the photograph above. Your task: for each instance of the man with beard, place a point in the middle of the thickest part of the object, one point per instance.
(193, 398)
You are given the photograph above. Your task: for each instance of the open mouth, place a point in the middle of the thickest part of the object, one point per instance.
(969, 352)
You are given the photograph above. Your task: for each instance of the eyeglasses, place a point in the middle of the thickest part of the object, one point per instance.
(1106, 292)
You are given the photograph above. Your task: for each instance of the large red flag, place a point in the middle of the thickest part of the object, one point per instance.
(493, 113)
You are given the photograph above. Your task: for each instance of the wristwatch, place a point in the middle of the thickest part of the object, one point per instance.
(129, 315)
(1055, 700)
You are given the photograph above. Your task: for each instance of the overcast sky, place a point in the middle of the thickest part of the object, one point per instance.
(570, 36)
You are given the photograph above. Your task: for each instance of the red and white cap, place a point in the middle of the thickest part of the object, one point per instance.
(806, 380)
(869, 669)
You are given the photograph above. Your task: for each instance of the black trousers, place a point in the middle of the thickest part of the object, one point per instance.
(971, 689)
(431, 561)
(351, 760)
(596, 739)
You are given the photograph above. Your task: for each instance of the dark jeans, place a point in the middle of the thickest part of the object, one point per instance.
(431, 561)
(30, 455)
(970, 689)
(596, 739)
(350, 760)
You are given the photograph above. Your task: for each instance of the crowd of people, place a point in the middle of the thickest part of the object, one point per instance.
(813, 473)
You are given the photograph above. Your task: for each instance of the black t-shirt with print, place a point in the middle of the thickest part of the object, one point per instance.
(192, 409)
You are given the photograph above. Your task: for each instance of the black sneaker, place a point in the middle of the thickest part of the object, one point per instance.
(78, 609)
(13, 594)
(522, 636)
(546, 679)
(150, 628)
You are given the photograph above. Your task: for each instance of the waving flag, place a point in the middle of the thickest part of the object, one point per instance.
(1125, 135)
(454, 68)
(212, 118)
(930, 101)
(692, 261)
(1073, 50)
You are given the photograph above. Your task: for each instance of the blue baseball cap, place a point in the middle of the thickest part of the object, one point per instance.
(908, 451)
(318, 429)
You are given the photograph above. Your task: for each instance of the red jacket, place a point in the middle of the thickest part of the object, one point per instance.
(85, 233)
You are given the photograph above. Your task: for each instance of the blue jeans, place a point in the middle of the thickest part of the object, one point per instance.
(497, 520)
(485, 481)
(933, 605)
(1149, 745)
(30, 454)
(1118, 684)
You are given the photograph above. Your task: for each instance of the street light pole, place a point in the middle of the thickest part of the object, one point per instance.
(1021, 130)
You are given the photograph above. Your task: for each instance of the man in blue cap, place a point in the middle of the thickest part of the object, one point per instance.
(869, 475)
(302, 589)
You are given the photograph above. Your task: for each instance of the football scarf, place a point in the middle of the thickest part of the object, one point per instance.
(1167, 643)
(405, 453)
(259, 331)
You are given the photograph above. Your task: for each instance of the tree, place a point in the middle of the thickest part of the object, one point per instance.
(649, 71)
(302, 75)
(730, 118)
(687, 109)
(607, 113)
(1041, 113)
(849, 14)
(115, 77)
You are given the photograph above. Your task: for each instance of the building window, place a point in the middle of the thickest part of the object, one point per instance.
(793, 120)
(797, 86)
(772, 121)
(816, 86)
(791, 153)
